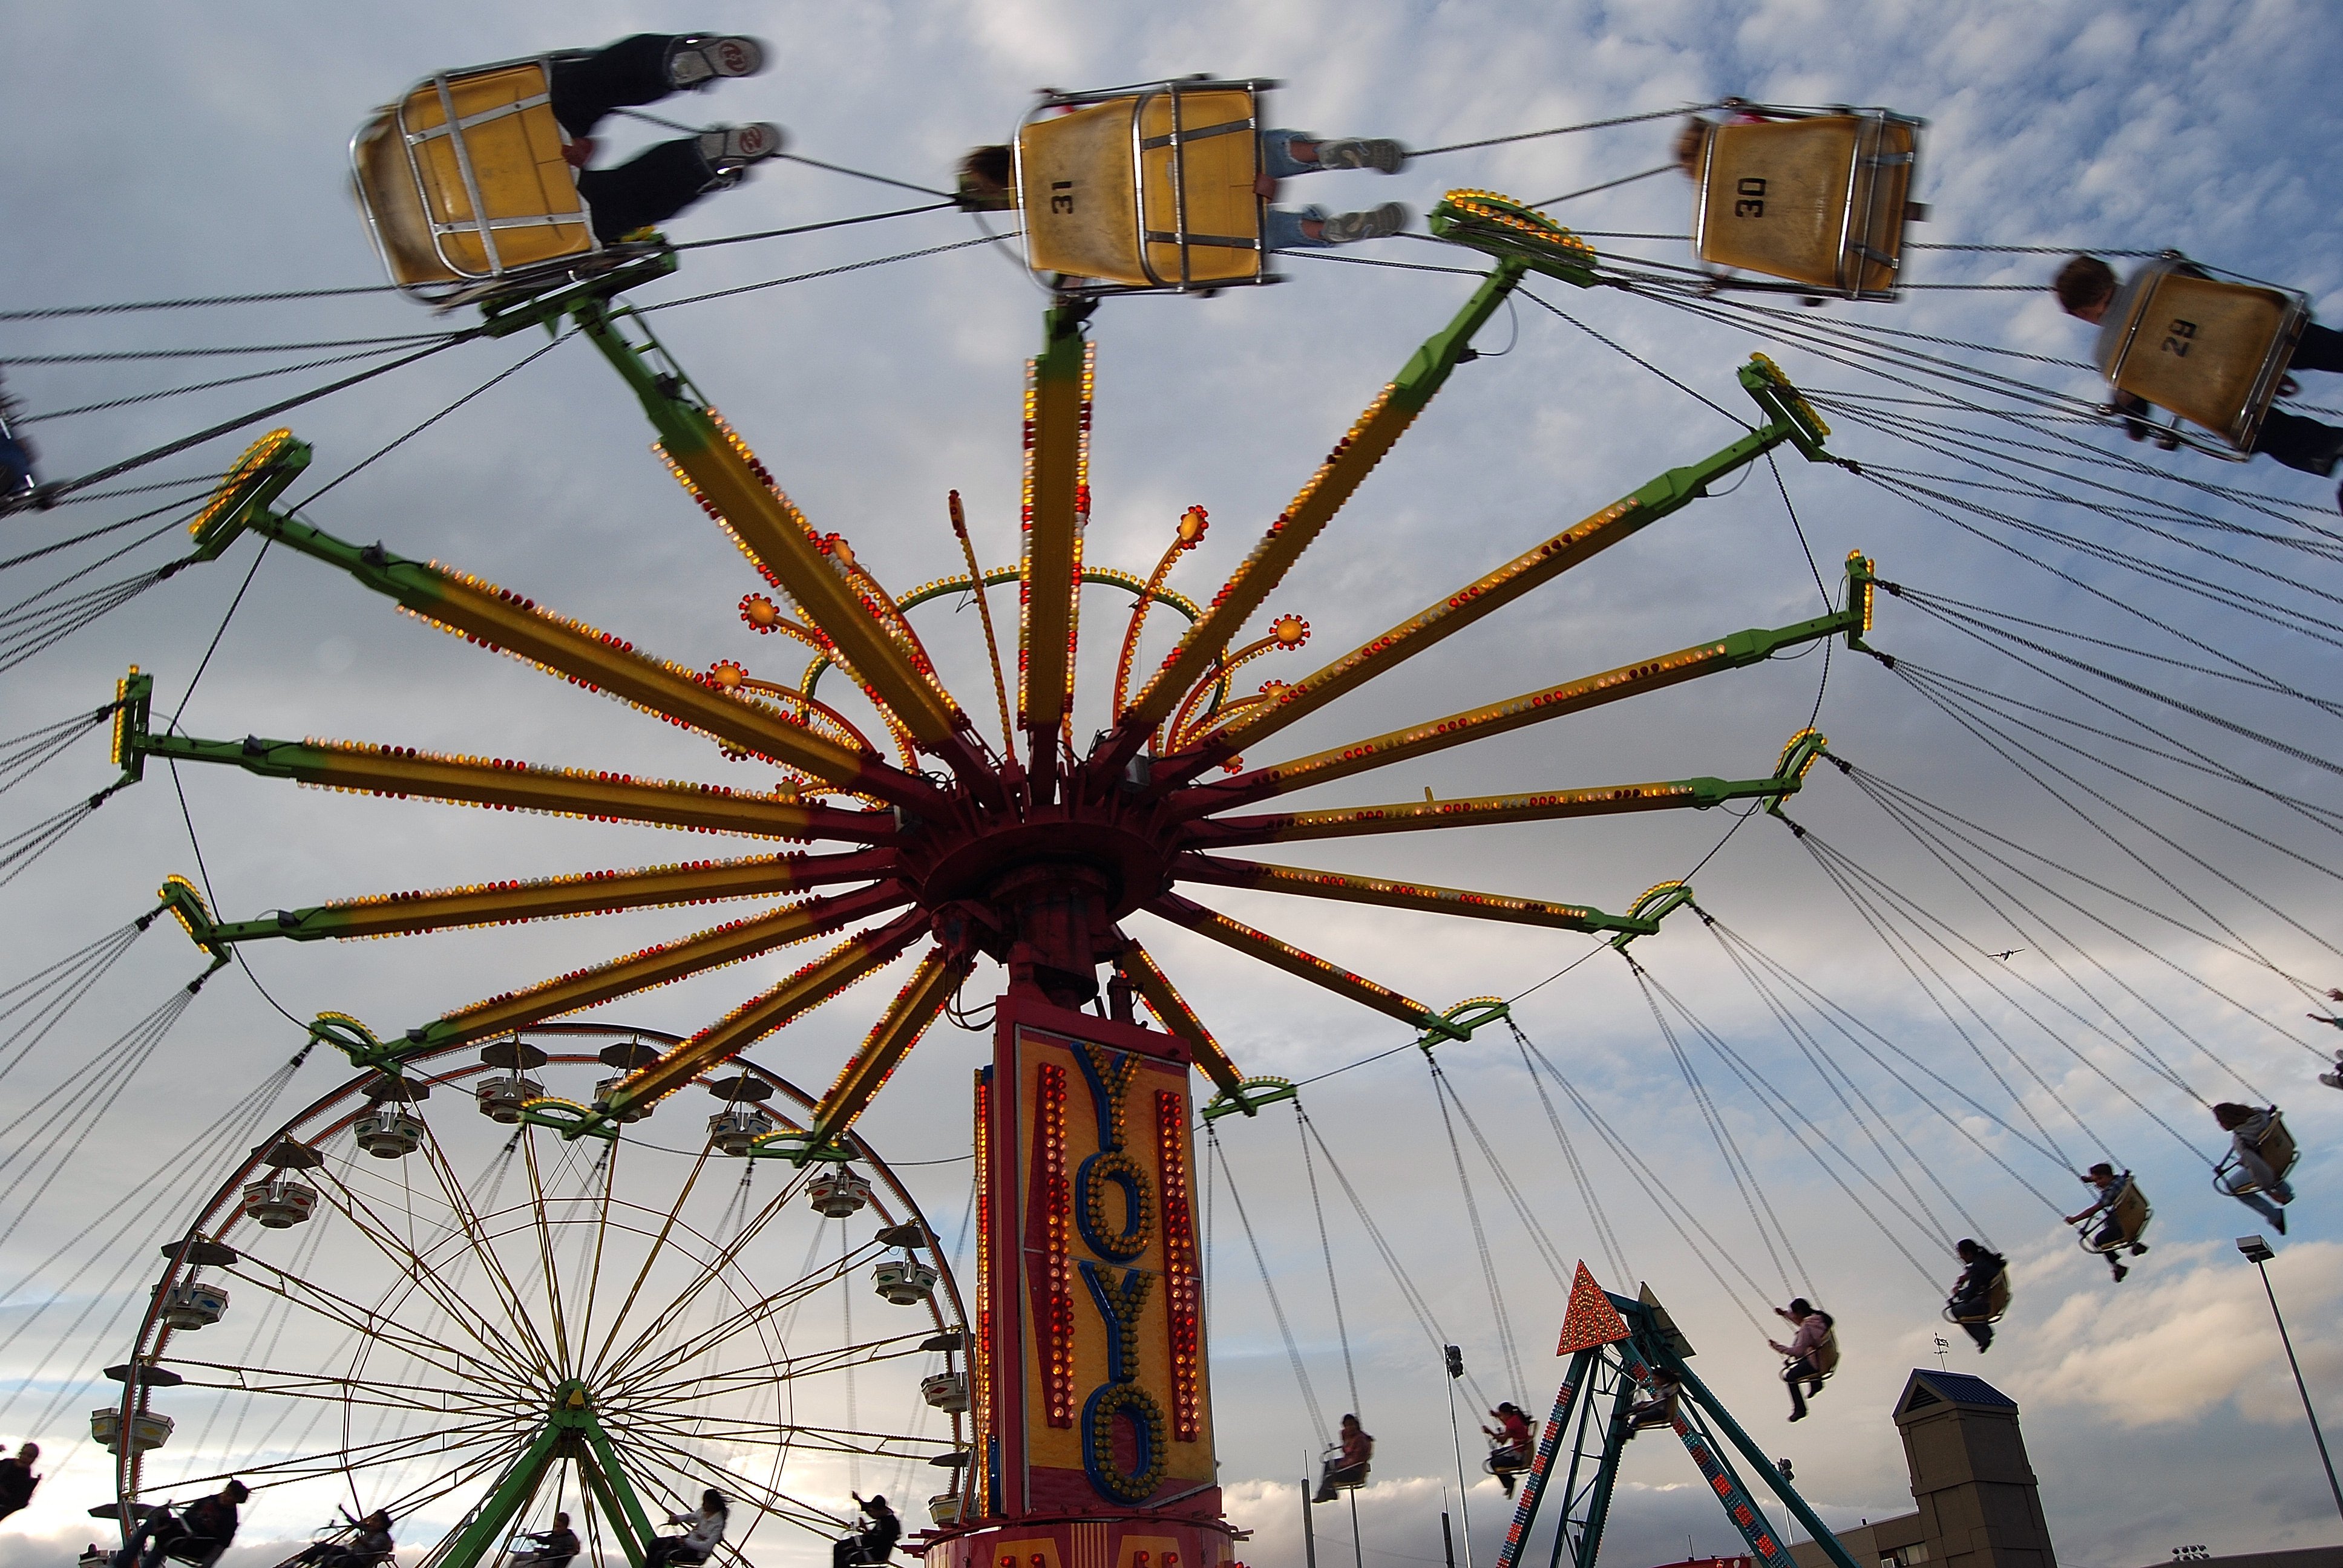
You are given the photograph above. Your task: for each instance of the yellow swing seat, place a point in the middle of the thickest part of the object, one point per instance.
(1149, 189)
(466, 191)
(1817, 199)
(2131, 1213)
(1996, 1303)
(2211, 352)
(2277, 1149)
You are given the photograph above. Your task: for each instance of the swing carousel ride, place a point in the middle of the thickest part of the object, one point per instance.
(494, 1275)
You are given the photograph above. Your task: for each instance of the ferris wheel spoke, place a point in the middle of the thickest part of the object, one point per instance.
(668, 1224)
(751, 1316)
(655, 966)
(606, 1366)
(1424, 897)
(608, 1164)
(365, 1323)
(697, 1471)
(377, 1452)
(1283, 955)
(543, 1230)
(481, 1248)
(422, 1276)
(269, 1380)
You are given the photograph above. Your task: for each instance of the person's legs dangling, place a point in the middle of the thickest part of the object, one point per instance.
(632, 71)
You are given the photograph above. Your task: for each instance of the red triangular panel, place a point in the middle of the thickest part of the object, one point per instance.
(1592, 1319)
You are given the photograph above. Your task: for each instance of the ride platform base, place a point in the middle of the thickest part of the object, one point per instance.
(1132, 1540)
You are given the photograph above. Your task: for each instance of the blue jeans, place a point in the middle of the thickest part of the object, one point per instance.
(1282, 231)
(2291, 440)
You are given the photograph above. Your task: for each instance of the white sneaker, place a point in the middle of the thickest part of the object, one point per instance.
(732, 148)
(696, 59)
(1377, 152)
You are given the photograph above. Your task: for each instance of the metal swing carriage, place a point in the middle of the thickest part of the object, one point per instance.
(466, 190)
(2129, 1215)
(1818, 198)
(1145, 190)
(2210, 352)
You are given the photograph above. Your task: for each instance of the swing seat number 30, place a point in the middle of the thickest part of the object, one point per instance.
(1749, 199)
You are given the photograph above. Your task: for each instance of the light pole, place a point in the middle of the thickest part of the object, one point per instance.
(2259, 1250)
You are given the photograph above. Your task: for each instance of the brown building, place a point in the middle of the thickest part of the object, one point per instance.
(1979, 1506)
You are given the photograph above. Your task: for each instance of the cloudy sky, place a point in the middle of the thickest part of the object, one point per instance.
(169, 154)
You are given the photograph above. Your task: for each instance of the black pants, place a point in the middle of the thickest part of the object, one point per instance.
(658, 183)
(1976, 1307)
(859, 1549)
(669, 1549)
(2291, 440)
(1801, 1371)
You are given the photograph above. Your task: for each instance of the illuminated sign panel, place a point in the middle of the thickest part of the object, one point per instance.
(1098, 1382)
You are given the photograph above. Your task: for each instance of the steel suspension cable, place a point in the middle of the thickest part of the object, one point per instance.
(1326, 1250)
(1786, 1111)
(1503, 1320)
(1841, 1083)
(1613, 1255)
(1566, 130)
(1736, 1164)
(1276, 1307)
(35, 1005)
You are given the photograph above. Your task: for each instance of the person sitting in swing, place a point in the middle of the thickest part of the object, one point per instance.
(205, 1527)
(988, 176)
(1971, 1302)
(2088, 290)
(2109, 1237)
(1807, 1352)
(662, 180)
(1348, 1466)
(2331, 1079)
(1657, 1404)
(368, 1545)
(1510, 1441)
(2246, 1126)
(874, 1544)
(706, 1529)
(554, 1548)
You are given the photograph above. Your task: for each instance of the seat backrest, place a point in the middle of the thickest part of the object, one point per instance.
(1150, 190)
(463, 179)
(2276, 1146)
(1996, 1295)
(1818, 200)
(2209, 351)
(1827, 1353)
(2131, 1212)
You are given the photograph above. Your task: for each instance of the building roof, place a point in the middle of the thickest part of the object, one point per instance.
(1926, 1388)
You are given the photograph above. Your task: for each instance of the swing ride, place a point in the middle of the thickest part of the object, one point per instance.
(620, 1330)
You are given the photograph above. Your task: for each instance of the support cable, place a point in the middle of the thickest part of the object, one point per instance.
(1566, 130)
(1276, 1307)
(1614, 1254)
(1326, 1248)
(1503, 1320)
(29, 753)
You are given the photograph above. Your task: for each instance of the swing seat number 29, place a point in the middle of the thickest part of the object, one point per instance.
(2176, 340)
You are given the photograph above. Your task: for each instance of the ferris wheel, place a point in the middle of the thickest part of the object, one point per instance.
(409, 1298)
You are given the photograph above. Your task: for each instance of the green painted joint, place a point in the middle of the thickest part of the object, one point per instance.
(356, 1041)
(1459, 1021)
(1441, 352)
(1516, 234)
(570, 1118)
(134, 709)
(1644, 917)
(307, 925)
(187, 906)
(476, 1541)
(1862, 592)
(503, 319)
(683, 424)
(1778, 397)
(1679, 486)
(243, 497)
(1249, 1097)
(800, 1148)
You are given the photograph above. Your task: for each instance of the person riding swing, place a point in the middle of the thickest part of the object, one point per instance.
(1811, 1353)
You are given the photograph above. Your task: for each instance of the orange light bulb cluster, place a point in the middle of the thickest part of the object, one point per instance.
(980, 1364)
(1184, 1299)
(1291, 631)
(700, 967)
(1191, 526)
(1057, 1212)
(256, 458)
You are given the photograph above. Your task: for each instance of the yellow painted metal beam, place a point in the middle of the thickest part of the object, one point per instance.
(1285, 955)
(1479, 811)
(660, 965)
(1172, 1012)
(890, 1039)
(1056, 509)
(553, 898)
(1372, 435)
(769, 1010)
(1425, 897)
